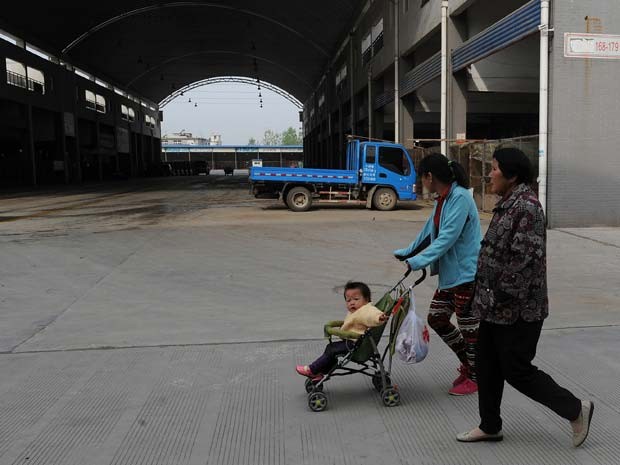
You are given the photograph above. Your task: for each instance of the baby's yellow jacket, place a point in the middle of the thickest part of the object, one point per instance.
(363, 318)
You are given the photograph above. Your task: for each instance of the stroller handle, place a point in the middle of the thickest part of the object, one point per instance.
(421, 278)
(407, 273)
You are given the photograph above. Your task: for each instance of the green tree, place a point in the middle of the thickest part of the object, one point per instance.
(291, 137)
(272, 138)
(252, 141)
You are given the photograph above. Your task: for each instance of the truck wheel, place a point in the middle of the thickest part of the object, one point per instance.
(299, 199)
(384, 199)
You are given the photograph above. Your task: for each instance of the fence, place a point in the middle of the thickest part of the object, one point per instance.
(197, 162)
(477, 157)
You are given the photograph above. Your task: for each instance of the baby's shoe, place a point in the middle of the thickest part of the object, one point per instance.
(304, 370)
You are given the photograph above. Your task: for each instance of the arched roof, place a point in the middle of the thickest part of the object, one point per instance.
(156, 48)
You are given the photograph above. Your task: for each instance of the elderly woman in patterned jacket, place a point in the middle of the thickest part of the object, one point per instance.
(511, 298)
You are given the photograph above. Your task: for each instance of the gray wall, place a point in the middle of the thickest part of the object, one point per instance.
(584, 164)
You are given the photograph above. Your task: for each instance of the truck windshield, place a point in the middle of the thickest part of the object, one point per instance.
(394, 159)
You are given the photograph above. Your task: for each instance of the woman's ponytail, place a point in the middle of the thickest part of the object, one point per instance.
(459, 173)
(446, 171)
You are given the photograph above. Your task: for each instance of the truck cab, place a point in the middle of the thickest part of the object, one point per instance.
(385, 164)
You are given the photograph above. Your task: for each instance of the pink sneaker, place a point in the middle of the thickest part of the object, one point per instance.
(304, 370)
(463, 375)
(465, 388)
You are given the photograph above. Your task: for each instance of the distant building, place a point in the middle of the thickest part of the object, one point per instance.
(184, 138)
(215, 139)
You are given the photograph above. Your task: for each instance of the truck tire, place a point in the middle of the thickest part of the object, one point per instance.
(299, 199)
(384, 199)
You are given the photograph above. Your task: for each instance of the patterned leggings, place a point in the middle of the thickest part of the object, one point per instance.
(461, 340)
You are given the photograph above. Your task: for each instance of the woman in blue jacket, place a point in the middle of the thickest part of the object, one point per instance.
(449, 243)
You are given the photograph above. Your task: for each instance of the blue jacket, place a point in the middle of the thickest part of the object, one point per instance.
(453, 253)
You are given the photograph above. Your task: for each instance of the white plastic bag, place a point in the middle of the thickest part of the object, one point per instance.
(413, 337)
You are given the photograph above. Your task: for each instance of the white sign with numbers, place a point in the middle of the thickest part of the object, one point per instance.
(603, 46)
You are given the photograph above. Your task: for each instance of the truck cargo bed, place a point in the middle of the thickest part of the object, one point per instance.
(303, 174)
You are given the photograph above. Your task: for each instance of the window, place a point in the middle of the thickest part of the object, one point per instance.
(101, 103)
(38, 52)
(341, 76)
(128, 114)
(16, 73)
(366, 49)
(36, 80)
(91, 100)
(83, 74)
(95, 101)
(377, 37)
(8, 37)
(371, 150)
(373, 42)
(25, 77)
(394, 159)
(150, 121)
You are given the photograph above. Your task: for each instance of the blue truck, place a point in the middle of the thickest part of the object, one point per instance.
(378, 174)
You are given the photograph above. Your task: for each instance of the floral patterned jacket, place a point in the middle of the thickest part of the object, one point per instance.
(511, 279)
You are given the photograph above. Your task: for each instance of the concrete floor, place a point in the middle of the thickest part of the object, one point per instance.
(158, 322)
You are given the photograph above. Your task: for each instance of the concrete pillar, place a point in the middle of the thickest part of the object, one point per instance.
(32, 157)
(340, 153)
(407, 120)
(378, 124)
(63, 146)
(132, 152)
(98, 151)
(76, 130)
(352, 87)
(457, 83)
(370, 97)
(78, 152)
(457, 106)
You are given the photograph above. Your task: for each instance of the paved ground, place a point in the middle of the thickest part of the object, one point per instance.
(158, 322)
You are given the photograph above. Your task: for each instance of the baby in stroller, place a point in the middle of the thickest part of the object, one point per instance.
(357, 351)
(361, 316)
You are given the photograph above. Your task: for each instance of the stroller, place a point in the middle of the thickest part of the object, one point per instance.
(365, 353)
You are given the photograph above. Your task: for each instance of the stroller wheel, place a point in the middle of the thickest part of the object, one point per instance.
(311, 386)
(317, 401)
(376, 382)
(390, 397)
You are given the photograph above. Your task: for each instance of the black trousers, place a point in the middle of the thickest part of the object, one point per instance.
(505, 353)
(328, 360)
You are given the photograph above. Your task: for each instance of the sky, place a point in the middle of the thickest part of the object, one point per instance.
(232, 110)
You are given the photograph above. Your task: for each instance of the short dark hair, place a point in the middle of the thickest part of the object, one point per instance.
(514, 163)
(363, 288)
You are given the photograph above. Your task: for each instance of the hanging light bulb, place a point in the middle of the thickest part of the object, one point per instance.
(260, 95)
(182, 93)
(195, 105)
(190, 100)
